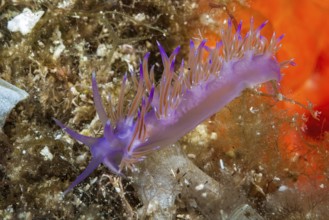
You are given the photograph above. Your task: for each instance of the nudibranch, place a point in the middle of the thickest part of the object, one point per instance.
(161, 113)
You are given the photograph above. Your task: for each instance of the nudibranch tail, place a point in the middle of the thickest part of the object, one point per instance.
(160, 115)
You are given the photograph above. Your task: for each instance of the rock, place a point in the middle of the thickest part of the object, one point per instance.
(9, 97)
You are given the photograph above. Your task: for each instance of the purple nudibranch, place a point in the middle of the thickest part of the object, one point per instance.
(159, 115)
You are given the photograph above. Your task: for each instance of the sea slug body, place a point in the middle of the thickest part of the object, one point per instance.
(160, 115)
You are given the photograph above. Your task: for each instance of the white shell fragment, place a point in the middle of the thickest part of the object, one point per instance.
(25, 21)
(46, 153)
(9, 96)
